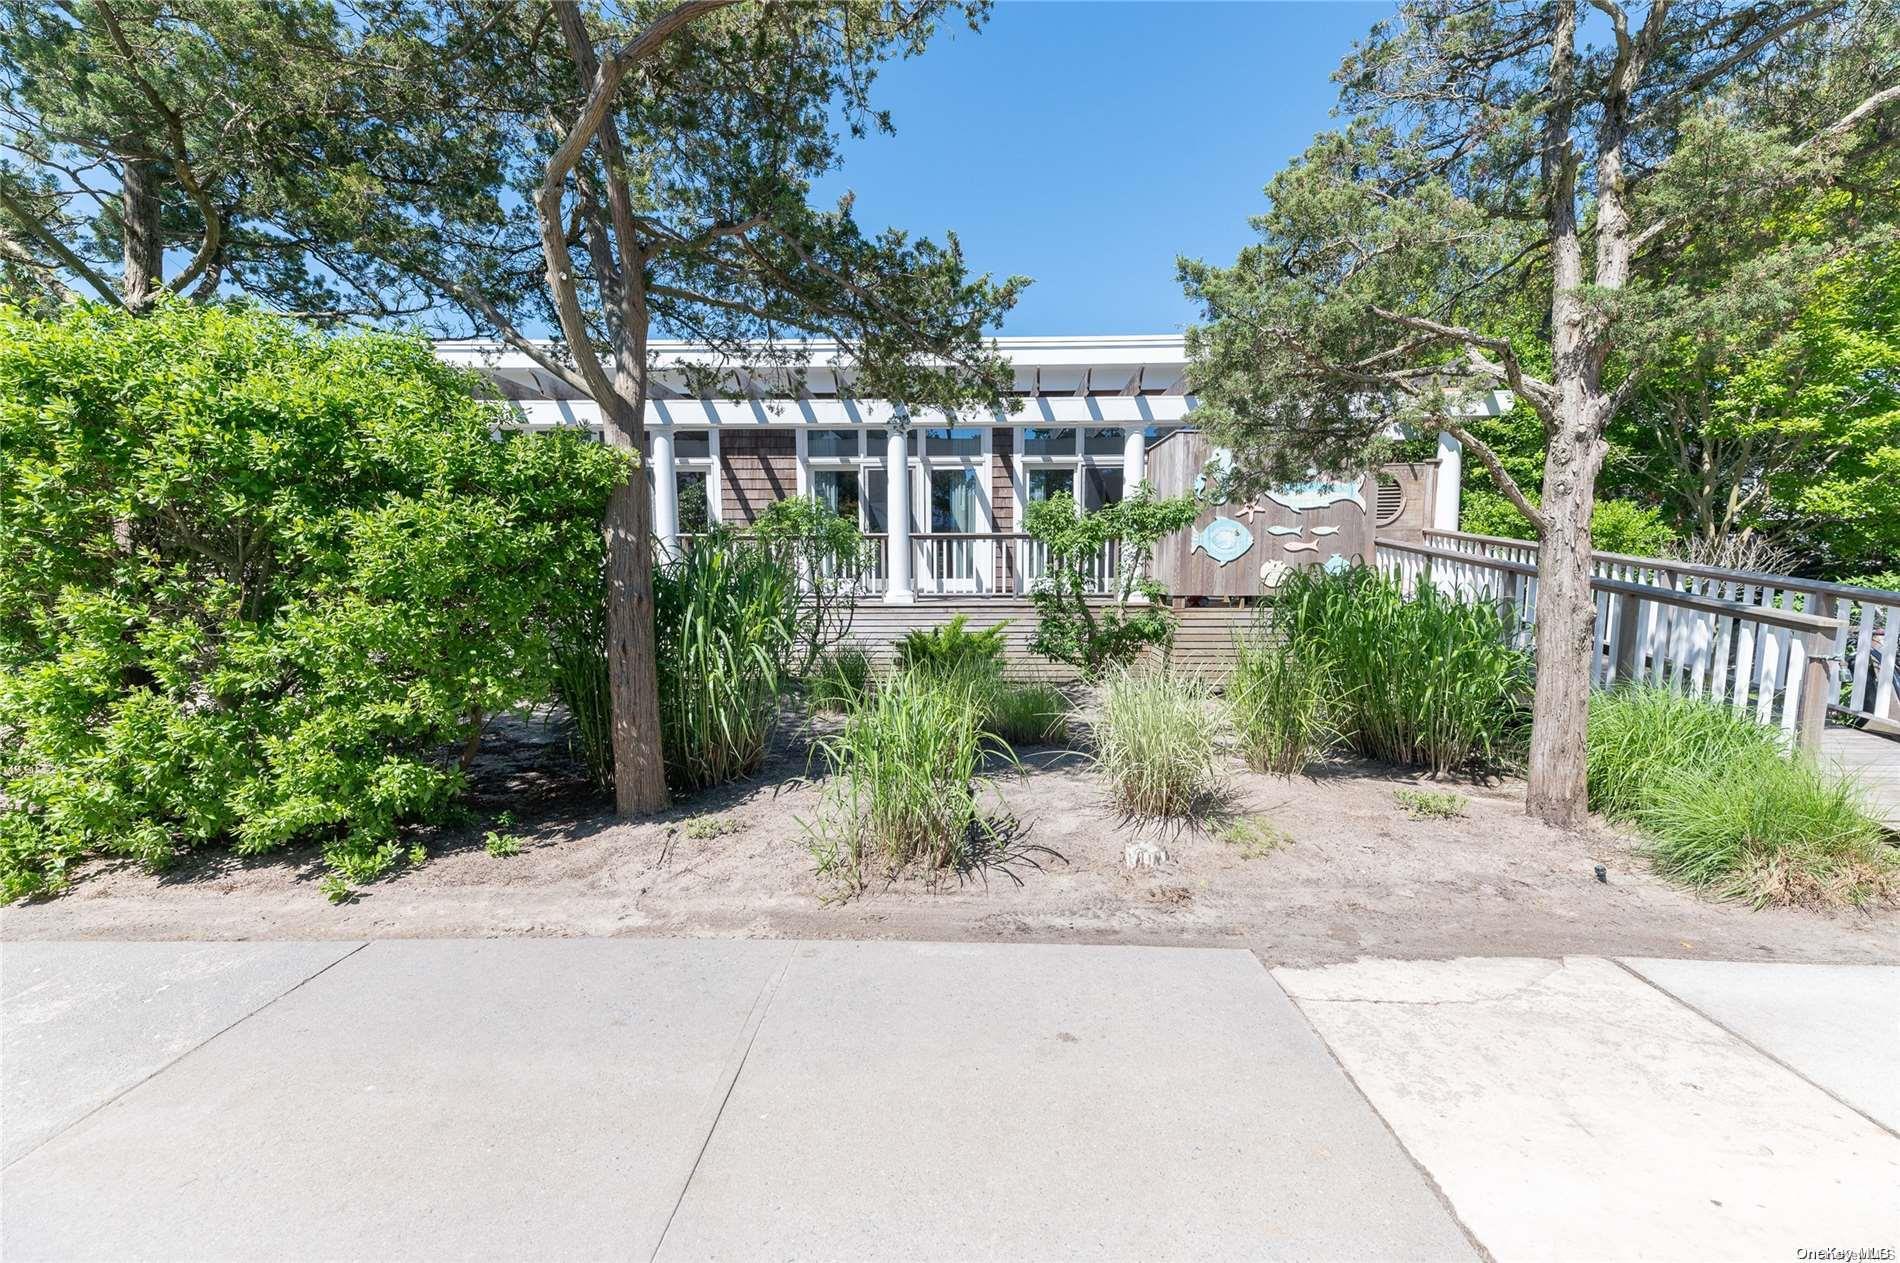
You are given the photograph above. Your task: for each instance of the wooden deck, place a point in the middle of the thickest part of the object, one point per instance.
(1871, 759)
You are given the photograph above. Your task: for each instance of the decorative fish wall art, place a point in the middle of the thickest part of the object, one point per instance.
(1223, 539)
(1302, 545)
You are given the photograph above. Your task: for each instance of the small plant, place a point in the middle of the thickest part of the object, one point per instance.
(418, 853)
(501, 845)
(1431, 804)
(949, 649)
(1027, 714)
(1255, 837)
(336, 889)
(705, 828)
(1155, 743)
(1769, 829)
(840, 680)
(1278, 695)
(905, 774)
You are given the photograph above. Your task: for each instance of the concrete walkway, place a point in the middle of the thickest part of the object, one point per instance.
(583, 1099)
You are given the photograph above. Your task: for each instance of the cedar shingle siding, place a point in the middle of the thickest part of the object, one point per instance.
(755, 468)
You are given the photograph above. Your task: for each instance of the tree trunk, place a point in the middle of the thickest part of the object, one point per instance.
(1566, 630)
(632, 645)
(138, 213)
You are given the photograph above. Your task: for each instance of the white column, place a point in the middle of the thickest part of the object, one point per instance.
(666, 492)
(1451, 472)
(1134, 459)
(897, 589)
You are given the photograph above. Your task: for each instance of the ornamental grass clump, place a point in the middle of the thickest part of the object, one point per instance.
(728, 624)
(839, 680)
(1723, 805)
(1155, 742)
(1641, 736)
(1429, 681)
(1280, 696)
(905, 775)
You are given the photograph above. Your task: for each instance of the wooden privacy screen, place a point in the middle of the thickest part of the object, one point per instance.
(1242, 548)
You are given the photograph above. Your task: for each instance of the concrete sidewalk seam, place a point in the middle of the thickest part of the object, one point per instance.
(748, 1035)
(230, 1026)
(1750, 1044)
(1431, 1182)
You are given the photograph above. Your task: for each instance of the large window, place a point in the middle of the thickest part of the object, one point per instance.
(838, 489)
(695, 505)
(961, 441)
(1045, 484)
(956, 501)
(1048, 440)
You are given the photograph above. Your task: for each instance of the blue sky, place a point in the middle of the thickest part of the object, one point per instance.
(1087, 144)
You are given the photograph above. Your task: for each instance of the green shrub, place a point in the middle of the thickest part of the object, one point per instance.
(1069, 628)
(255, 582)
(1768, 829)
(1431, 681)
(840, 680)
(1431, 804)
(1280, 695)
(905, 773)
(1640, 736)
(1155, 742)
(948, 649)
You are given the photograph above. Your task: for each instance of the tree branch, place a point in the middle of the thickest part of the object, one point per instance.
(46, 236)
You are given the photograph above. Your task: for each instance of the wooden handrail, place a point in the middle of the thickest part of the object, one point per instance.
(1791, 619)
(1788, 583)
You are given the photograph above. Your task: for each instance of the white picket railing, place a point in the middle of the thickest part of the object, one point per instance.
(1861, 676)
(1765, 660)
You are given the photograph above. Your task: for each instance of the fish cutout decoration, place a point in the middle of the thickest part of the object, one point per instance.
(1223, 539)
(1283, 530)
(1325, 530)
(1336, 564)
(1274, 573)
(1301, 496)
(1302, 546)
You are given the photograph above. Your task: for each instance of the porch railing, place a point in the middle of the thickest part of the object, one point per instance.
(1861, 679)
(992, 564)
(1764, 660)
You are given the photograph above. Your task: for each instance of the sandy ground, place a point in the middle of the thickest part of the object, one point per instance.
(1358, 878)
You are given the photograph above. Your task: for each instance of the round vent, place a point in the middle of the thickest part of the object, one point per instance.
(1390, 502)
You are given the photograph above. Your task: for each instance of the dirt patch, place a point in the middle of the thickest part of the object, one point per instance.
(1349, 875)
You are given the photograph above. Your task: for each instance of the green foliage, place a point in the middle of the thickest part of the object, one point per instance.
(1639, 736)
(1769, 829)
(839, 680)
(1255, 837)
(731, 628)
(1155, 742)
(1280, 696)
(1724, 806)
(706, 828)
(254, 581)
(948, 649)
(1069, 630)
(1432, 681)
(501, 845)
(828, 553)
(1026, 714)
(1431, 804)
(1616, 526)
(905, 774)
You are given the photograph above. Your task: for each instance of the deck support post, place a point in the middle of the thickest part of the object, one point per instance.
(666, 493)
(897, 584)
